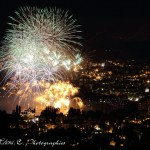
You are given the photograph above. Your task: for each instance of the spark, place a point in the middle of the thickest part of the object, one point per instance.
(42, 44)
(59, 95)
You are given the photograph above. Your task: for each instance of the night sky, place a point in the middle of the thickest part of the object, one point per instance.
(111, 29)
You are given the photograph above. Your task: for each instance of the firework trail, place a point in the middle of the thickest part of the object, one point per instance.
(41, 45)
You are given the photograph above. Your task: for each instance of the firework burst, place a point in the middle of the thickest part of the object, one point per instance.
(42, 45)
(39, 49)
(58, 95)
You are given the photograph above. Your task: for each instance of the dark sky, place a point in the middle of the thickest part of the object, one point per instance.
(121, 26)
